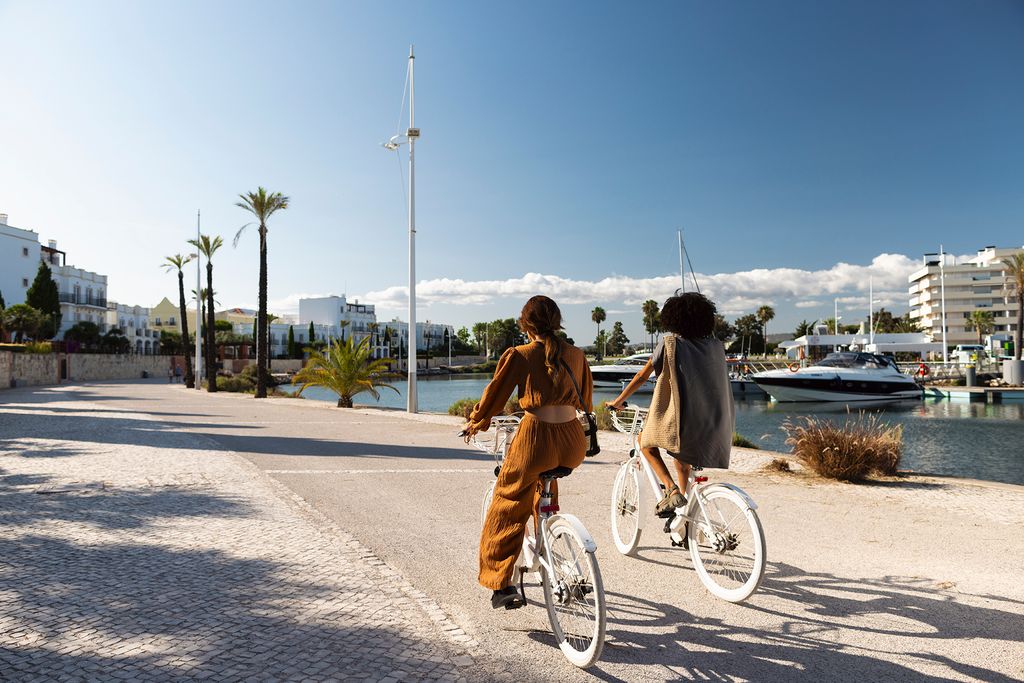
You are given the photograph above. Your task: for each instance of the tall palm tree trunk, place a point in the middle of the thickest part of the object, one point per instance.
(1020, 324)
(190, 380)
(263, 340)
(211, 360)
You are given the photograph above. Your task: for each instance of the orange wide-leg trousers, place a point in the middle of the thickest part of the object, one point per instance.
(537, 447)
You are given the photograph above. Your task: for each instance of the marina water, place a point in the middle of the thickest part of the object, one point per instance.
(974, 440)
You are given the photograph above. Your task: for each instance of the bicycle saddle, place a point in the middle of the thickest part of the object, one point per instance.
(556, 473)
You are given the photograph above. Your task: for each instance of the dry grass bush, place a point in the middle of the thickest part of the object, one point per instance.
(779, 465)
(850, 451)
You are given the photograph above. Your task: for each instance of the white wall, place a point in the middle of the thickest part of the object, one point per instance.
(17, 268)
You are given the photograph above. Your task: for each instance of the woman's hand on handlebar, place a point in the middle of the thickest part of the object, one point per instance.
(617, 404)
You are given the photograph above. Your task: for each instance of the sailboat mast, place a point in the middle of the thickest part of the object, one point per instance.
(682, 268)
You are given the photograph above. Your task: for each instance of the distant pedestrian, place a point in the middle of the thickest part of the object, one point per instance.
(177, 373)
(170, 374)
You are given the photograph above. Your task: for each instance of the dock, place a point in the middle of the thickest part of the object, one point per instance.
(978, 394)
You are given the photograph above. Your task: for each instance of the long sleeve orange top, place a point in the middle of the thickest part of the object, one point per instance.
(522, 368)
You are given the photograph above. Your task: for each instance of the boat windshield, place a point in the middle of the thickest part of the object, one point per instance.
(851, 359)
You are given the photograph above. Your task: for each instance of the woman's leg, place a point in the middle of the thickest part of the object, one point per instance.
(653, 458)
(683, 470)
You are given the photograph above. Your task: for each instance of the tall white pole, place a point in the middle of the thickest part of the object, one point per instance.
(199, 317)
(835, 318)
(411, 133)
(942, 289)
(449, 348)
(682, 268)
(871, 310)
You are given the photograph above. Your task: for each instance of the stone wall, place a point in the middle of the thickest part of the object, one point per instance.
(36, 369)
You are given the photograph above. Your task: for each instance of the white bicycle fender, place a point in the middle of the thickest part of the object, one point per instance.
(735, 489)
(588, 541)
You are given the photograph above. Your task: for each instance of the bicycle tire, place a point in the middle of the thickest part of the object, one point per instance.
(626, 508)
(725, 570)
(574, 597)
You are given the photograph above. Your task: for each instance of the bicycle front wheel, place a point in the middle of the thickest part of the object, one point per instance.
(626, 508)
(727, 546)
(574, 595)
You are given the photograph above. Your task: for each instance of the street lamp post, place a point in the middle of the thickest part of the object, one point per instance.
(411, 134)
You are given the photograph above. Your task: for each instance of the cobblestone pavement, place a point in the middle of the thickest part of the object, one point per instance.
(132, 550)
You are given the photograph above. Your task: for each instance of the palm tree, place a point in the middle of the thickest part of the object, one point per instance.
(598, 316)
(262, 205)
(347, 369)
(1014, 286)
(22, 320)
(980, 321)
(764, 314)
(177, 262)
(805, 328)
(373, 327)
(343, 324)
(208, 246)
(651, 318)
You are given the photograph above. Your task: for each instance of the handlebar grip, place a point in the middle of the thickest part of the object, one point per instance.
(463, 434)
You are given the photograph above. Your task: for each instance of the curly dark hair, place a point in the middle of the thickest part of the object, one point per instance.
(690, 315)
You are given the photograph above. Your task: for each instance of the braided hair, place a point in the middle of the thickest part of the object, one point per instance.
(541, 318)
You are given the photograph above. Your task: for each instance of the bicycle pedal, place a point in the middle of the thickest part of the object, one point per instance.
(515, 605)
(667, 514)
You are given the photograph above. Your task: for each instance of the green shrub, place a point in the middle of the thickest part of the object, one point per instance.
(39, 347)
(236, 383)
(742, 441)
(463, 407)
(604, 417)
(848, 452)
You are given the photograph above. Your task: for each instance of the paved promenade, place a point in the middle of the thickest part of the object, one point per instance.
(223, 537)
(133, 549)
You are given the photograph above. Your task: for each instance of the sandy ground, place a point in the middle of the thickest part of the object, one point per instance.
(912, 579)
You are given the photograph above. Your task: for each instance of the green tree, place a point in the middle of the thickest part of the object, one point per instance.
(906, 324)
(764, 315)
(291, 342)
(805, 328)
(598, 316)
(981, 322)
(43, 297)
(348, 369)
(170, 342)
(23, 321)
(85, 333)
(114, 341)
(722, 331)
(565, 337)
(1013, 286)
(262, 205)
(3, 331)
(480, 337)
(208, 246)
(312, 333)
(748, 331)
(652, 318)
(504, 334)
(463, 335)
(177, 262)
(617, 340)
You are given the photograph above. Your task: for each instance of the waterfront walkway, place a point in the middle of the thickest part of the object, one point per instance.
(153, 532)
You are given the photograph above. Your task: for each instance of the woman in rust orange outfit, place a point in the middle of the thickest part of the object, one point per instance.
(549, 436)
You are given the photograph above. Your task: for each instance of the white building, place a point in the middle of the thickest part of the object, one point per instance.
(427, 333)
(974, 284)
(814, 346)
(19, 261)
(343, 319)
(133, 321)
(279, 335)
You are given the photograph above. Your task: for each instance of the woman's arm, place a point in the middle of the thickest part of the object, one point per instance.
(506, 376)
(633, 385)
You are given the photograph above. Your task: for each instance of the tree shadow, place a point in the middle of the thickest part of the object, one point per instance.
(112, 604)
(832, 628)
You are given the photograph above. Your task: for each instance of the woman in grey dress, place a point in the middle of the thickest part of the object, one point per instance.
(706, 412)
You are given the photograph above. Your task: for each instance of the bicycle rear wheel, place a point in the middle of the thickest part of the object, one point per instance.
(727, 547)
(574, 596)
(626, 508)
(486, 504)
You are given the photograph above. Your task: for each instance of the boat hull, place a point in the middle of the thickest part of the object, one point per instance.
(800, 389)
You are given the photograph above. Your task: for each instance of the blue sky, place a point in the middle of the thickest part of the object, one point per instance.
(564, 140)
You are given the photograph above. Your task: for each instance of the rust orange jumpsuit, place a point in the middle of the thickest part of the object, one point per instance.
(538, 446)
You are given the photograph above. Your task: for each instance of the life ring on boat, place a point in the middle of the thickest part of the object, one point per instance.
(793, 367)
(923, 370)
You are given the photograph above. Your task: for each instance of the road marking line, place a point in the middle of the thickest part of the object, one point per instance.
(381, 471)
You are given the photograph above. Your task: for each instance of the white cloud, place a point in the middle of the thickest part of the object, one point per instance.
(734, 293)
(808, 304)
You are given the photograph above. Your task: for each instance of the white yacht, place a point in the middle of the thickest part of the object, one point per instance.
(624, 369)
(843, 376)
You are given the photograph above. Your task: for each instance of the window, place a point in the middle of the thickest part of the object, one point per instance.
(157, 322)
(24, 251)
(24, 282)
(170, 321)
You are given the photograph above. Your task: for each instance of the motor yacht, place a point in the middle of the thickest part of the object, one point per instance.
(841, 376)
(625, 369)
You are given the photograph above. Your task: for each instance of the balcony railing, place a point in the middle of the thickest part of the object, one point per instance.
(81, 300)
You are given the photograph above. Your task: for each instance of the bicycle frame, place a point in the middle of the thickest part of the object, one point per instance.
(695, 495)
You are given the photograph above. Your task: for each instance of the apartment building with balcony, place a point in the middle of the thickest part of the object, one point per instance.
(133, 321)
(975, 283)
(343, 318)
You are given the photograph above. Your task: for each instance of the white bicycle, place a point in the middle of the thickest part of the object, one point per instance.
(563, 555)
(718, 524)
